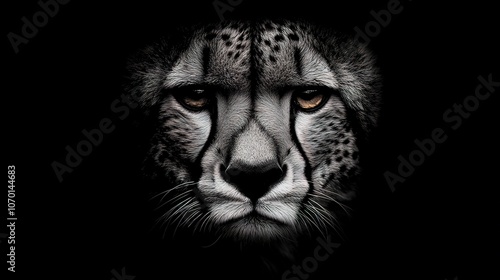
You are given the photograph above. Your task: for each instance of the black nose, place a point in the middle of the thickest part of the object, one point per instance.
(253, 180)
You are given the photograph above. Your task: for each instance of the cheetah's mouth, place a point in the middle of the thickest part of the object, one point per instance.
(254, 226)
(255, 218)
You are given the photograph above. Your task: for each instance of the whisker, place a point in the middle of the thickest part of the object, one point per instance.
(318, 217)
(192, 219)
(172, 189)
(181, 205)
(325, 214)
(204, 224)
(188, 208)
(202, 220)
(172, 217)
(177, 197)
(333, 225)
(210, 245)
(184, 184)
(319, 194)
(309, 219)
(171, 213)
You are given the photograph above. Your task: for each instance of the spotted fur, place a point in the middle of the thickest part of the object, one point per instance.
(254, 68)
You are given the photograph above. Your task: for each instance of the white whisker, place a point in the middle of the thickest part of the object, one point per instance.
(210, 245)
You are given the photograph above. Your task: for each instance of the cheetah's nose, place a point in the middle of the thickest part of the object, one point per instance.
(253, 181)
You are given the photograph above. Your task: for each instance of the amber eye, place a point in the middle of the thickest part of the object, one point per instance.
(310, 99)
(194, 99)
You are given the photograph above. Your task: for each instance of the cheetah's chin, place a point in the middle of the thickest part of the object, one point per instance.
(256, 227)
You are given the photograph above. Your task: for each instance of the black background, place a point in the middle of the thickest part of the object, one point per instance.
(440, 223)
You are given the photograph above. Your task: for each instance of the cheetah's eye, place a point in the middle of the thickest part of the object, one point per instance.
(310, 99)
(194, 99)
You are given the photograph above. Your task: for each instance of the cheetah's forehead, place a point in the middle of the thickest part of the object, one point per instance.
(268, 54)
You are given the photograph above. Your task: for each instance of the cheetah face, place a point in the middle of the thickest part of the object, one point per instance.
(257, 126)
